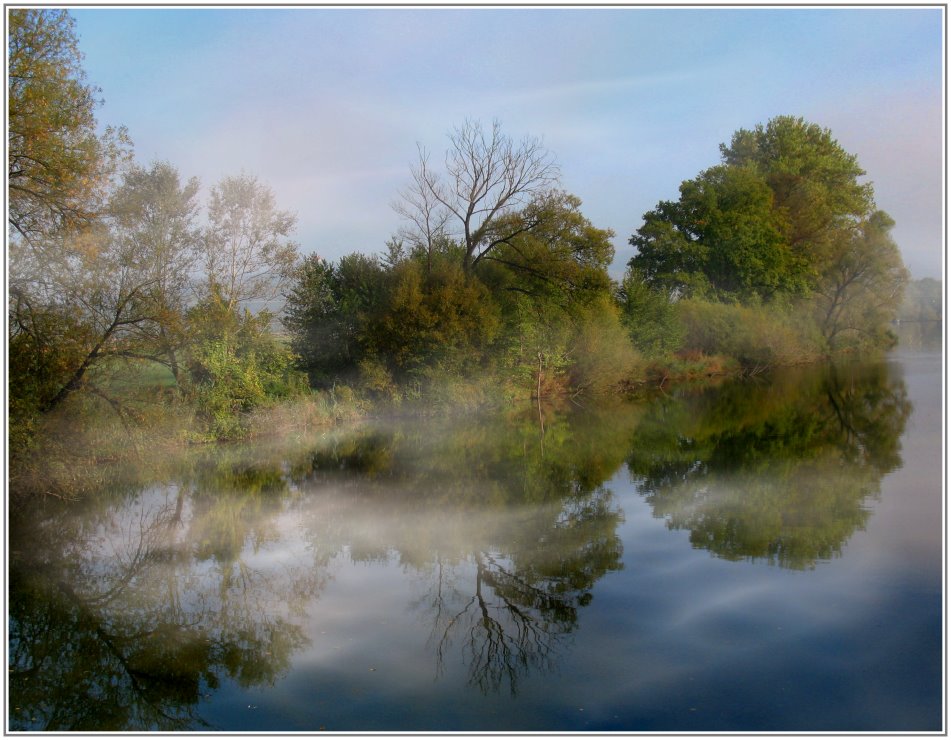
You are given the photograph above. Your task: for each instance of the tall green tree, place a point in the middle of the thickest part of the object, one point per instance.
(58, 165)
(785, 215)
(649, 315)
(433, 317)
(724, 238)
(814, 181)
(327, 309)
(549, 252)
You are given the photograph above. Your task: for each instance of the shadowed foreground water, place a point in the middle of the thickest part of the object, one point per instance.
(759, 556)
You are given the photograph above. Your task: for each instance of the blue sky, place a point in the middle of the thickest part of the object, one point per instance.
(326, 105)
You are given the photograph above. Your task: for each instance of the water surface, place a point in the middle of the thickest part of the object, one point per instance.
(754, 557)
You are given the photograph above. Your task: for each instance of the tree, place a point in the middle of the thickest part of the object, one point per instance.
(550, 252)
(649, 315)
(784, 216)
(327, 310)
(862, 288)
(309, 311)
(433, 318)
(814, 181)
(488, 176)
(247, 253)
(117, 288)
(724, 238)
(923, 301)
(428, 218)
(154, 214)
(58, 166)
(74, 306)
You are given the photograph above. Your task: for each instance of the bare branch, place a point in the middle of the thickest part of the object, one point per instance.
(489, 176)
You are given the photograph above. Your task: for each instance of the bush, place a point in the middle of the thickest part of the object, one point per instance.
(757, 337)
(649, 316)
(234, 366)
(376, 379)
(434, 316)
(534, 351)
(601, 351)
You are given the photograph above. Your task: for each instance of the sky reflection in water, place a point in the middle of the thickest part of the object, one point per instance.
(756, 557)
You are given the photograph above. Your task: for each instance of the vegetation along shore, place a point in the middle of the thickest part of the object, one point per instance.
(131, 293)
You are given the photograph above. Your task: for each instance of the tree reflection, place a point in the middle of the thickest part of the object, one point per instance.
(781, 471)
(512, 549)
(522, 601)
(130, 609)
(124, 621)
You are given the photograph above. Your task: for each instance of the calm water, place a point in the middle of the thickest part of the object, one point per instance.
(762, 556)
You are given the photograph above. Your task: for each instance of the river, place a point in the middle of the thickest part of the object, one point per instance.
(757, 556)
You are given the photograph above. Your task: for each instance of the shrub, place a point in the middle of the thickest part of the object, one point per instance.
(602, 354)
(434, 316)
(234, 366)
(649, 316)
(756, 336)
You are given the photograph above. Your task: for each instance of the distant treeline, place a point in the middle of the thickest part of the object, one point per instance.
(924, 301)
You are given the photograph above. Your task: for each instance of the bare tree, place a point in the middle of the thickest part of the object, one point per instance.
(428, 218)
(487, 177)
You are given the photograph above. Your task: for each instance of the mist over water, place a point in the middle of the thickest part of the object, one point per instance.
(760, 556)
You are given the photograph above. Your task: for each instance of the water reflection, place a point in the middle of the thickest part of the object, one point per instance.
(779, 471)
(129, 618)
(130, 610)
(511, 546)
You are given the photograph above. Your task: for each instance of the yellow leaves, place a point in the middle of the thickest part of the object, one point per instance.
(53, 145)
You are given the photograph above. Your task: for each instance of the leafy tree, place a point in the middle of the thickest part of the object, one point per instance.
(437, 318)
(153, 213)
(784, 216)
(547, 278)
(924, 301)
(47, 343)
(814, 181)
(488, 176)
(58, 165)
(116, 289)
(551, 253)
(327, 311)
(723, 238)
(95, 291)
(247, 253)
(310, 310)
(861, 288)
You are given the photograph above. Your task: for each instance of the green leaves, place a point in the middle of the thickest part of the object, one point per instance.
(723, 239)
(784, 217)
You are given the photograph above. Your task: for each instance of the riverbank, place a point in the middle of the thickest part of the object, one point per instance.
(90, 442)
